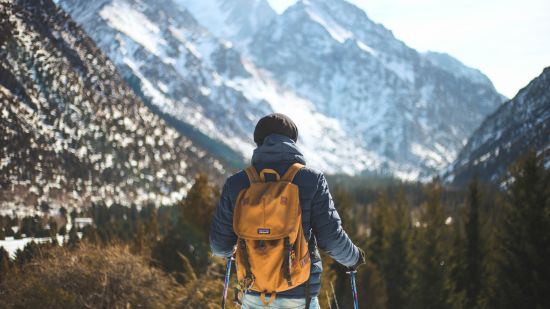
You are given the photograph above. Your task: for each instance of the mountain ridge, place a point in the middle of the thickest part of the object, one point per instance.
(519, 125)
(364, 101)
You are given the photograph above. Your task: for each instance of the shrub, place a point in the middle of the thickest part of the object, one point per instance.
(90, 277)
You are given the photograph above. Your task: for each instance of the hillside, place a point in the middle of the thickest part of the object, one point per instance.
(520, 125)
(72, 132)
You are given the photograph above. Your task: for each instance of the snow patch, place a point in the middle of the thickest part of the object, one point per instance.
(336, 31)
(365, 47)
(126, 19)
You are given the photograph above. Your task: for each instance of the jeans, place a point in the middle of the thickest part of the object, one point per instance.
(254, 302)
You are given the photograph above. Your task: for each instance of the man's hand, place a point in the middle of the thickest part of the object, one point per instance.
(362, 260)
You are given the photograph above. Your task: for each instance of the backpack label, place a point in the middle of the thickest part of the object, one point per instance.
(264, 231)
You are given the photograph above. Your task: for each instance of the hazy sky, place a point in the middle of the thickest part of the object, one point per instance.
(508, 40)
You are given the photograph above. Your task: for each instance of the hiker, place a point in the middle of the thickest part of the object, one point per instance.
(264, 204)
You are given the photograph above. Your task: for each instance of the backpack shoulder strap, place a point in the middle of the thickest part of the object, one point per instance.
(292, 171)
(252, 174)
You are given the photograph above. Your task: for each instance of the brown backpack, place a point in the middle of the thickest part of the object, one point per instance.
(272, 252)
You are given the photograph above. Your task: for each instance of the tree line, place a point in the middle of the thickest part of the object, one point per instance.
(427, 245)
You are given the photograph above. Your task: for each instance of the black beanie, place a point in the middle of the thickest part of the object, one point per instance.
(275, 124)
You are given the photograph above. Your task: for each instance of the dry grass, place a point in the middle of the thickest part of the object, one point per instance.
(90, 277)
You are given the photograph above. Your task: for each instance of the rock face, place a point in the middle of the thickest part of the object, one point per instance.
(363, 100)
(71, 131)
(519, 125)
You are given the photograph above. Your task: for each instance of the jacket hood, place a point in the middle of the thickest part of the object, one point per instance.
(277, 148)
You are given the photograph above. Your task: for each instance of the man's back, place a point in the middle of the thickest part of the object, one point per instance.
(319, 217)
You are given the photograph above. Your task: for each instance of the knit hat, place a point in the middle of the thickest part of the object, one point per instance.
(275, 124)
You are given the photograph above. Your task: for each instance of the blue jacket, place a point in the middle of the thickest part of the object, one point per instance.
(318, 213)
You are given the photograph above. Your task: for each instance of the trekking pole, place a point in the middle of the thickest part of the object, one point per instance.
(352, 274)
(226, 282)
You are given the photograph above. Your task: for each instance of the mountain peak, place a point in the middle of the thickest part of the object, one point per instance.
(232, 20)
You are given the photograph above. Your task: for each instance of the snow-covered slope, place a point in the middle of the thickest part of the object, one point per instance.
(234, 20)
(71, 131)
(519, 125)
(186, 72)
(363, 100)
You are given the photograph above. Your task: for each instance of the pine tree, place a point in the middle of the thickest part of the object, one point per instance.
(4, 263)
(455, 281)
(198, 207)
(396, 264)
(89, 234)
(74, 240)
(429, 289)
(346, 210)
(139, 239)
(378, 217)
(523, 267)
(474, 259)
(152, 229)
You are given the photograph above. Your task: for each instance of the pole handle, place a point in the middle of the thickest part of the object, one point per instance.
(226, 280)
(352, 273)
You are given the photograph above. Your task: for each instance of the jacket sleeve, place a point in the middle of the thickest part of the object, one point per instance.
(327, 227)
(222, 238)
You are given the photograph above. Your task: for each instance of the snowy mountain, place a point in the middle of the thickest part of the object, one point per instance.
(519, 125)
(186, 72)
(363, 100)
(415, 110)
(71, 131)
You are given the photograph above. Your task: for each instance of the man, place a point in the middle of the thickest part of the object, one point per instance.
(276, 136)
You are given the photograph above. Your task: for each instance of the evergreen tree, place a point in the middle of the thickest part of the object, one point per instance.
(474, 258)
(29, 252)
(53, 228)
(372, 289)
(348, 213)
(181, 240)
(523, 267)
(198, 207)
(139, 239)
(396, 264)
(431, 256)
(378, 215)
(73, 240)
(456, 279)
(4, 263)
(74, 214)
(89, 234)
(152, 229)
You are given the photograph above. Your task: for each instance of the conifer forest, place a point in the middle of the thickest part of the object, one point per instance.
(427, 245)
